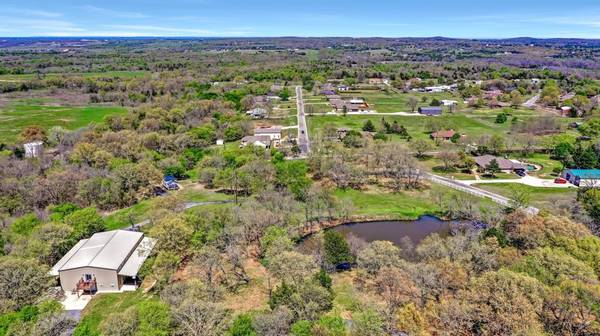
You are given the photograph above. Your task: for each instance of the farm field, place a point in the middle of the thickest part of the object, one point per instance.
(16, 116)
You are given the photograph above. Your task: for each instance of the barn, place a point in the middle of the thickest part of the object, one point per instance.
(103, 263)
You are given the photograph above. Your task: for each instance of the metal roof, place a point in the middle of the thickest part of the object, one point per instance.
(137, 258)
(586, 173)
(107, 250)
(267, 130)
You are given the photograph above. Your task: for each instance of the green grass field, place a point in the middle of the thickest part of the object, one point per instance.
(415, 125)
(15, 117)
(104, 304)
(400, 206)
(134, 214)
(544, 198)
(397, 102)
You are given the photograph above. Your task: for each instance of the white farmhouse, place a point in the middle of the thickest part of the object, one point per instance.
(33, 149)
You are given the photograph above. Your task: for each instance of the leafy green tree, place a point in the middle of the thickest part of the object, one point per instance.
(242, 326)
(492, 168)
(85, 222)
(302, 328)
(501, 118)
(585, 157)
(154, 319)
(59, 212)
(552, 266)
(330, 326)
(562, 151)
(281, 295)
(324, 279)
(292, 175)
(284, 94)
(353, 139)
(25, 224)
(367, 322)
(336, 248)
(368, 126)
(551, 93)
(233, 133)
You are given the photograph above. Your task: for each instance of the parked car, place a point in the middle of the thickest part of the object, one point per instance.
(170, 183)
(521, 173)
(560, 180)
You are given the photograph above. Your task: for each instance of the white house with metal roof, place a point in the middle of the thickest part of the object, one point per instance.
(104, 262)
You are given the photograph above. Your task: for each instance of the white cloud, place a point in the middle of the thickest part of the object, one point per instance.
(151, 30)
(29, 12)
(115, 13)
(38, 26)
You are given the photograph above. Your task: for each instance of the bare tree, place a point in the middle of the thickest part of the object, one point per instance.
(412, 102)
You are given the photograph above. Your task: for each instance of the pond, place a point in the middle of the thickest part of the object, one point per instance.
(394, 231)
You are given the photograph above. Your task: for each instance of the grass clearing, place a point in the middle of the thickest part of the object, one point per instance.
(104, 304)
(405, 205)
(402, 205)
(386, 102)
(544, 198)
(139, 212)
(15, 117)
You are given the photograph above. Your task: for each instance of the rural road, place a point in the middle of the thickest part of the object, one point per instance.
(454, 184)
(186, 206)
(303, 141)
(532, 101)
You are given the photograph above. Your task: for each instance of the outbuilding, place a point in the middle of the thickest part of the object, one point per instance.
(582, 177)
(103, 263)
(431, 110)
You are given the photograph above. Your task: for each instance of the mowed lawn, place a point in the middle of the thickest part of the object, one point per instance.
(15, 117)
(416, 125)
(108, 303)
(544, 198)
(405, 205)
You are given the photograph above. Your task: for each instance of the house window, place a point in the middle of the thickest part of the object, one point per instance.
(87, 277)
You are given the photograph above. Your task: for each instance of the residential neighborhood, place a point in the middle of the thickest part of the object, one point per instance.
(311, 169)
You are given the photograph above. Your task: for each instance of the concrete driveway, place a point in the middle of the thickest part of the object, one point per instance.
(526, 180)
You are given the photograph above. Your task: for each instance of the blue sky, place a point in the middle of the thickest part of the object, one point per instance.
(386, 18)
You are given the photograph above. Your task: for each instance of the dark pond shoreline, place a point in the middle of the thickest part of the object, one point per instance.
(396, 230)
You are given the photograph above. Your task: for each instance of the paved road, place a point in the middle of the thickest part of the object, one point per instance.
(303, 141)
(370, 113)
(454, 184)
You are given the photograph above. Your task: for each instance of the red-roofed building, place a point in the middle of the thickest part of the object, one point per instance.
(443, 135)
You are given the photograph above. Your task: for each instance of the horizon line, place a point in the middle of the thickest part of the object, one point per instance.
(297, 36)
